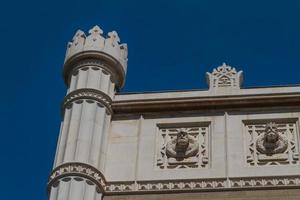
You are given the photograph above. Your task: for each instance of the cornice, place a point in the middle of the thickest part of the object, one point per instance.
(185, 104)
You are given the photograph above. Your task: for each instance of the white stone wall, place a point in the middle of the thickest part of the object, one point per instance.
(133, 146)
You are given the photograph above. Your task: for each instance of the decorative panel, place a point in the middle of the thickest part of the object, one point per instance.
(271, 142)
(184, 145)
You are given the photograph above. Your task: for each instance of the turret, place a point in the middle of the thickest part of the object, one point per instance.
(94, 68)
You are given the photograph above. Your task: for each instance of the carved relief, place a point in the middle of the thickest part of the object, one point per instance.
(270, 143)
(182, 147)
(224, 76)
(203, 184)
(77, 170)
(88, 94)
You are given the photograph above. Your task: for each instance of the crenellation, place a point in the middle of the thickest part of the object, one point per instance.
(95, 41)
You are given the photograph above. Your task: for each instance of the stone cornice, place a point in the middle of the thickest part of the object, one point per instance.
(88, 94)
(190, 104)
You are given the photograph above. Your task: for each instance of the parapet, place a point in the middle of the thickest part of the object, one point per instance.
(96, 45)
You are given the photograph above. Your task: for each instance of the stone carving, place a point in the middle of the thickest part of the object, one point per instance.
(170, 185)
(263, 182)
(270, 143)
(81, 171)
(76, 169)
(95, 41)
(183, 147)
(88, 94)
(95, 65)
(94, 45)
(224, 76)
(113, 37)
(202, 184)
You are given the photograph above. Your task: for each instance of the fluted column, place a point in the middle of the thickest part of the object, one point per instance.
(94, 67)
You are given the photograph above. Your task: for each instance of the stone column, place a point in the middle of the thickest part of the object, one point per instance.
(94, 68)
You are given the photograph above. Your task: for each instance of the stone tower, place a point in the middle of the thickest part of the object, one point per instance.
(94, 68)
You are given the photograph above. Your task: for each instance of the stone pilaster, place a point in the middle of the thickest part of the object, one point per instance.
(94, 68)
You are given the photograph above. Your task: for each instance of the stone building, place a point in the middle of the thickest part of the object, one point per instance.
(226, 142)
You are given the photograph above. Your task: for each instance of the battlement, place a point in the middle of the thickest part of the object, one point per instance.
(95, 41)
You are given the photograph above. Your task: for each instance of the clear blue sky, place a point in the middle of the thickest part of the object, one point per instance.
(171, 46)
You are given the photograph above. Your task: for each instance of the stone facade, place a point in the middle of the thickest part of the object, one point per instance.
(291, 194)
(227, 142)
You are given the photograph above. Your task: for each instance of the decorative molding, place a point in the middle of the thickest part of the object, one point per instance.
(202, 185)
(183, 145)
(182, 185)
(116, 187)
(165, 186)
(224, 76)
(67, 171)
(95, 64)
(88, 94)
(192, 104)
(263, 182)
(283, 151)
(77, 169)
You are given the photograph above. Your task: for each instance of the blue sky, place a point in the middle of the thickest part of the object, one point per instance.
(171, 46)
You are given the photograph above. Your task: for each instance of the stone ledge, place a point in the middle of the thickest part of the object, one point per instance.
(205, 103)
